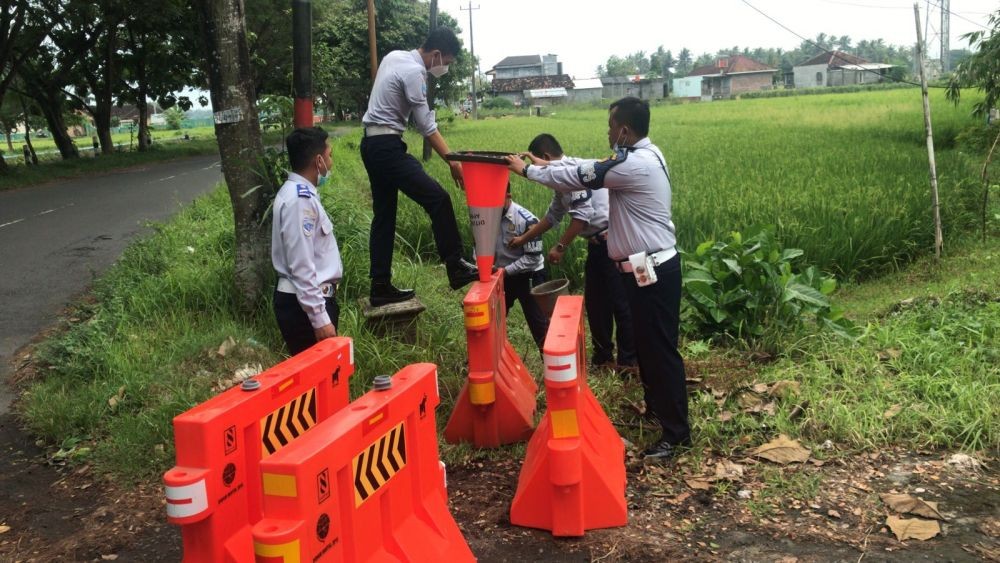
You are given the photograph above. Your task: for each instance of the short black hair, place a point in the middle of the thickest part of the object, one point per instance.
(633, 112)
(303, 145)
(545, 143)
(444, 40)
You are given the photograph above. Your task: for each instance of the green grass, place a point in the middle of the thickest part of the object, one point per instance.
(844, 177)
(162, 311)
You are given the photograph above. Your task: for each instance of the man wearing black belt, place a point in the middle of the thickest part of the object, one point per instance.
(303, 248)
(642, 240)
(400, 90)
(604, 296)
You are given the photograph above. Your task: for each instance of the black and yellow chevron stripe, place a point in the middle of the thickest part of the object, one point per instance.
(374, 466)
(288, 422)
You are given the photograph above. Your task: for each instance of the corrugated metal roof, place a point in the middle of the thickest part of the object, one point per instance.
(835, 59)
(519, 60)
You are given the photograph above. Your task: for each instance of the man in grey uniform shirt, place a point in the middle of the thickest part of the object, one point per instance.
(303, 248)
(604, 294)
(400, 90)
(641, 240)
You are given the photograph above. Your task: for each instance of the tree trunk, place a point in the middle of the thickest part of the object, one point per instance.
(102, 122)
(52, 111)
(31, 148)
(143, 107)
(238, 132)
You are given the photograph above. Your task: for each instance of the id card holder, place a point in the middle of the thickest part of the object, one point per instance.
(643, 269)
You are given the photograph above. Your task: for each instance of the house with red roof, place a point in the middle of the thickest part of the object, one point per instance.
(728, 77)
(837, 68)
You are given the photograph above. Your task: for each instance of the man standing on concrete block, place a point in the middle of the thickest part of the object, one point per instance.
(400, 90)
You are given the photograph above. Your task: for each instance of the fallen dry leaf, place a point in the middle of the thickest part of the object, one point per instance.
(784, 388)
(892, 411)
(889, 354)
(680, 498)
(699, 483)
(760, 388)
(227, 345)
(749, 402)
(833, 513)
(728, 470)
(783, 450)
(4, 529)
(909, 504)
(913, 528)
(725, 416)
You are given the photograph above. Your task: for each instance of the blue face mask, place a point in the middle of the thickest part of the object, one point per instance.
(323, 178)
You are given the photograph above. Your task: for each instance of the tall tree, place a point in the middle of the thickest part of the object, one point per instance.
(21, 33)
(158, 48)
(251, 188)
(982, 69)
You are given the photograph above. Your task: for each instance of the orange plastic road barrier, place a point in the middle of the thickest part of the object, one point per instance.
(364, 485)
(497, 403)
(214, 491)
(573, 477)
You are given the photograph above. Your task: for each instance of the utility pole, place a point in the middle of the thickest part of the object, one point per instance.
(431, 81)
(472, 50)
(938, 242)
(372, 51)
(302, 62)
(945, 35)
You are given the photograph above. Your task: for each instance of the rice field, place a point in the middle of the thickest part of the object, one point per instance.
(842, 176)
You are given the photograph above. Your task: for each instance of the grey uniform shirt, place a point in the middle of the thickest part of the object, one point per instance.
(514, 223)
(303, 247)
(400, 89)
(639, 217)
(589, 206)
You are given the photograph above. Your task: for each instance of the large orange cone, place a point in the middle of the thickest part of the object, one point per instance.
(573, 477)
(486, 178)
(497, 403)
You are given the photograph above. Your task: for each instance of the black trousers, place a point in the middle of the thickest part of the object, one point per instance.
(294, 323)
(608, 311)
(391, 170)
(518, 288)
(655, 319)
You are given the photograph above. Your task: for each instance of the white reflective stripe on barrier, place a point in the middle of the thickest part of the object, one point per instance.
(187, 500)
(560, 368)
(444, 473)
(351, 346)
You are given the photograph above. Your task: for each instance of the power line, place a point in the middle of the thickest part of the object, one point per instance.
(824, 49)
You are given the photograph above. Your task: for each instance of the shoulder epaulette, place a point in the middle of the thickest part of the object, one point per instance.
(592, 173)
(303, 190)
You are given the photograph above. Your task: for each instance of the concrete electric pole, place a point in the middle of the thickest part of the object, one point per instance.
(472, 50)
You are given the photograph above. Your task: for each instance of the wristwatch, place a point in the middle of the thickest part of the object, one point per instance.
(524, 171)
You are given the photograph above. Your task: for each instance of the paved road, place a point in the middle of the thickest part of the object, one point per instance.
(55, 239)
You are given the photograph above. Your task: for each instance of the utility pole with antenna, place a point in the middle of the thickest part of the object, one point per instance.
(472, 50)
(945, 35)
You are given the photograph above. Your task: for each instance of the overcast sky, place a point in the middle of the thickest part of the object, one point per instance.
(583, 33)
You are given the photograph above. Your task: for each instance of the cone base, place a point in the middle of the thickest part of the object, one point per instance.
(485, 265)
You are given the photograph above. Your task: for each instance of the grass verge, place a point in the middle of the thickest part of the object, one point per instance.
(925, 374)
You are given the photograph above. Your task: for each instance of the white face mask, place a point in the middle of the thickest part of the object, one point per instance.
(618, 142)
(323, 177)
(438, 70)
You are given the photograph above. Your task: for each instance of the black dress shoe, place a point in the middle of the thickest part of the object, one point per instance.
(660, 450)
(461, 273)
(384, 293)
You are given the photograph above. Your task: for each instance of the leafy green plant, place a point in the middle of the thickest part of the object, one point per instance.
(746, 286)
(498, 102)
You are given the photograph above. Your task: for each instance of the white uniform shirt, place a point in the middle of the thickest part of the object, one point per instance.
(589, 206)
(514, 223)
(639, 217)
(400, 88)
(303, 247)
